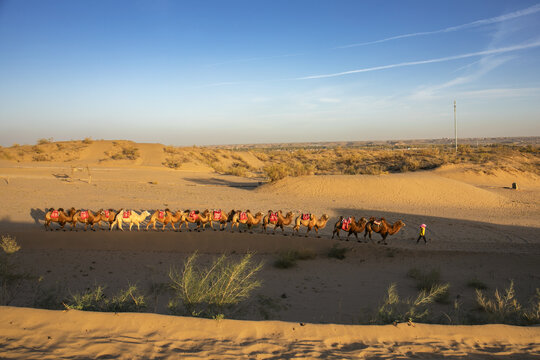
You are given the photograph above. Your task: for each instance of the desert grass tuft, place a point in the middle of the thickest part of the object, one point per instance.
(337, 252)
(213, 290)
(428, 280)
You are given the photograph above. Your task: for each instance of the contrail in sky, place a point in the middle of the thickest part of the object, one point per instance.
(429, 61)
(528, 11)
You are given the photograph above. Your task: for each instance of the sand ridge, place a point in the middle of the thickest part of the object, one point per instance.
(47, 334)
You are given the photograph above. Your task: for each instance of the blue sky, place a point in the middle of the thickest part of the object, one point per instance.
(223, 72)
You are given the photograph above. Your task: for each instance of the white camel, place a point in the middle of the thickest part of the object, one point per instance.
(131, 217)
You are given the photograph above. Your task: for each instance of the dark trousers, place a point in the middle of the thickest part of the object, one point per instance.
(421, 237)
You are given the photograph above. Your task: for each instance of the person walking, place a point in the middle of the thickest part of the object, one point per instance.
(422, 234)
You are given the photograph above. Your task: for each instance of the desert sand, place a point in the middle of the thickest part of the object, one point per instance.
(477, 228)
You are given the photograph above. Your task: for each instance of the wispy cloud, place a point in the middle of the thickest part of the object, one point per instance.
(505, 17)
(429, 61)
(500, 93)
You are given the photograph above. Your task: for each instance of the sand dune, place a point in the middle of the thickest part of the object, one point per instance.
(477, 228)
(43, 334)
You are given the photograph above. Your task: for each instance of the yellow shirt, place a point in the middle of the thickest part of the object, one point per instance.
(422, 231)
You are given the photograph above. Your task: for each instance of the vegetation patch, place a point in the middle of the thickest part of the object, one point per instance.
(213, 290)
(94, 299)
(337, 252)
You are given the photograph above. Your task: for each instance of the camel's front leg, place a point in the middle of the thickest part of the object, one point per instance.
(130, 225)
(336, 231)
(308, 230)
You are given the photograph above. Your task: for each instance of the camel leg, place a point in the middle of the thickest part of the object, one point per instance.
(317, 231)
(336, 231)
(308, 230)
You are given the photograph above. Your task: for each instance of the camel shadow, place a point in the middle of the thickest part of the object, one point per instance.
(37, 214)
(248, 185)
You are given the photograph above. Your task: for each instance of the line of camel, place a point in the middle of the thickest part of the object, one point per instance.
(234, 217)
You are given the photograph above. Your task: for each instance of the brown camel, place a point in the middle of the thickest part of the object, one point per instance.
(241, 217)
(108, 216)
(277, 219)
(59, 216)
(86, 217)
(383, 227)
(165, 217)
(350, 225)
(311, 222)
(195, 217)
(220, 217)
(253, 220)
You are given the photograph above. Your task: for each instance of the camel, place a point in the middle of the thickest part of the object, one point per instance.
(131, 217)
(350, 225)
(194, 216)
(86, 217)
(59, 216)
(253, 220)
(383, 227)
(277, 219)
(246, 218)
(165, 217)
(221, 218)
(311, 222)
(108, 216)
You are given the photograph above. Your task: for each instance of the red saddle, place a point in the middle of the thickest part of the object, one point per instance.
(273, 217)
(161, 214)
(243, 216)
(193, 214)
(306, 216)
(107, 213)
(84, 215)
(217, 214)
(346, 224)
(54, 214)
(127, 214)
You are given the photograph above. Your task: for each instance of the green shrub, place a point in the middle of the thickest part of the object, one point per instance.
(213, 290)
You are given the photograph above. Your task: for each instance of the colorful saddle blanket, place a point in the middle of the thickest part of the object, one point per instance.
(193, 214)
(273, 217)
(217, 215)
(306, 216)
(127, 214)
(346, 224)
(54, 214)
(161, 214)
(377, 222)
(84, 215)
(243, 216)
(107, 213)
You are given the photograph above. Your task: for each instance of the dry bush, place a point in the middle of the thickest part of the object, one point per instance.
(87, 141)
(37, 149)
(44, 141)
(126, 153)
(505, 308)
(41, 157)
(289, 258)
(394, 309)
(173, 163)
(428, 280)
(276, 172)
(210, 291)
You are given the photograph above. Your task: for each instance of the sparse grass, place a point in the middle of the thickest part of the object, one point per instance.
(94, 299)
(10, 278)
(337, 252)
(213, 290)
(289, 258)
(394, 309)
(87, 141)
(428, 280)
(477, 284)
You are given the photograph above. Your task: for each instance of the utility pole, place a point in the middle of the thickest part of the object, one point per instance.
(455, 124)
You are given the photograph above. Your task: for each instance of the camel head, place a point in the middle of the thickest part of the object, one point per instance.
(259, 214)
(289, 214)
(362, 221)
(145, 213)
(325, 217)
